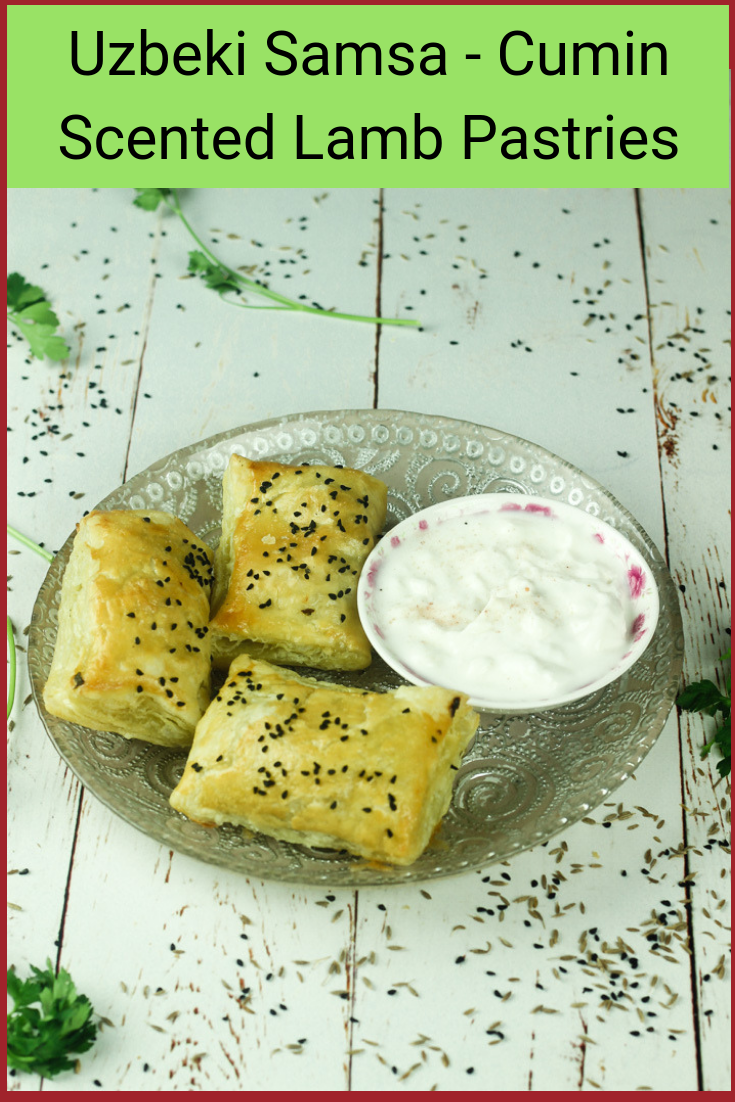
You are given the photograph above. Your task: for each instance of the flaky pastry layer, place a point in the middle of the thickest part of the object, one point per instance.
(294, 539)
(319, 764)
(132, 650)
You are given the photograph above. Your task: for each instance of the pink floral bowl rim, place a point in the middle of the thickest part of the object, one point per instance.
(642, 589)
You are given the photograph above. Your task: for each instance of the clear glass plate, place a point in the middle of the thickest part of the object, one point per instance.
(525, 777)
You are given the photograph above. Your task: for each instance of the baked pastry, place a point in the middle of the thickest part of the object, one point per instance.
(294, 540)
(324, 765)
(132, 649)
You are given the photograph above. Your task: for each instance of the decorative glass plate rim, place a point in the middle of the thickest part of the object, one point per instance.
(330, 868)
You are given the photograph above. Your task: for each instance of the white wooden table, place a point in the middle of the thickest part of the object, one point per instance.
(594, 323)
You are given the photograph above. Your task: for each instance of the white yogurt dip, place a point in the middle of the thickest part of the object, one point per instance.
(510, 601)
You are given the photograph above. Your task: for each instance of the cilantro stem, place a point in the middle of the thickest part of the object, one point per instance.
(173, 204)
(11, 653)
(29, 543)
(328, 313)
(11, 638)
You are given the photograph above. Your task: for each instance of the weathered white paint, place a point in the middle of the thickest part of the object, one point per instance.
(689, 286)
(394, 989)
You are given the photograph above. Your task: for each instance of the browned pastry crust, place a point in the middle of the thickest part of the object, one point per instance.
(294, 539)
(132, 650)
(320, 764)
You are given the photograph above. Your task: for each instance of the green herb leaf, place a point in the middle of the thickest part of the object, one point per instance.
(49, 1022)
(20, 293)
(707, 698)
(702, 696)
(31, 314)
(149, 198)
(214, 275)
(724, 765)
(220, 278)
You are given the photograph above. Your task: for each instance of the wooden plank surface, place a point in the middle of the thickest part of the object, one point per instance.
(595, 962)
(686, 258)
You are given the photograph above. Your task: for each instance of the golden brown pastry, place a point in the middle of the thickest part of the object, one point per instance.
(132, 649)
(323, 765)
(294, 540)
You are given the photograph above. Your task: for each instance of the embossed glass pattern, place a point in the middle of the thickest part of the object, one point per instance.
(524, 778)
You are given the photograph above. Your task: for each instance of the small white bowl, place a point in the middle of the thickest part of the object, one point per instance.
(393, 634)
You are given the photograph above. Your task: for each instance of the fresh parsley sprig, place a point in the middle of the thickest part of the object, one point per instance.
(30, 312)
(706, 697)
(49, 1022)
(222, 279)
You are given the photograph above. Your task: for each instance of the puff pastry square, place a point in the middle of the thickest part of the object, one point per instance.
(132, 650)
(294, 539)
(324, 765)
